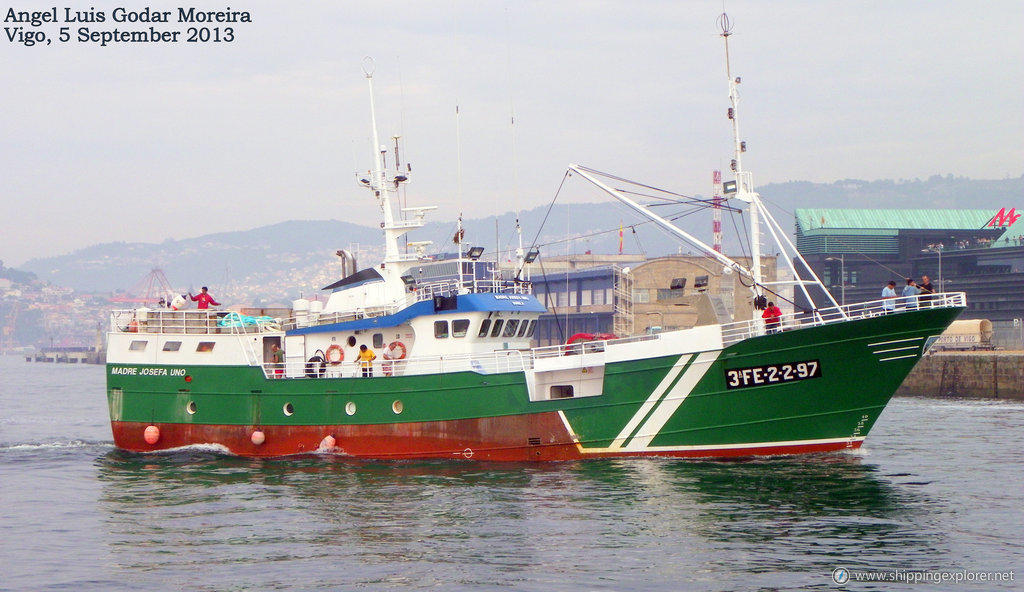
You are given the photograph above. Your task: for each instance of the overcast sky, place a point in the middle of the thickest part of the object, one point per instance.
(144, 142)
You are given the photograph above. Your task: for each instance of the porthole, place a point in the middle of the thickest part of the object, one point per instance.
(289, 410)
(397, 407)
(350, 408)
(191, 407)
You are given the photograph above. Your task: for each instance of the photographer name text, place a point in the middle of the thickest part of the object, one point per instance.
(40, 28)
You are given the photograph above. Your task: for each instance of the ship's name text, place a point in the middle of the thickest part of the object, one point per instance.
(135, 371)
(772, 374)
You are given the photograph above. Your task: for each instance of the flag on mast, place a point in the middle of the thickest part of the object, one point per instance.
(620, 238)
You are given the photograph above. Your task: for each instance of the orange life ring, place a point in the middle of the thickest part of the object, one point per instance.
(335, 355)
(396, 351)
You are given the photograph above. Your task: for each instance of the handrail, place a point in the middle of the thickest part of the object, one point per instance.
(206, 322)
(738, 331)
(493, 362)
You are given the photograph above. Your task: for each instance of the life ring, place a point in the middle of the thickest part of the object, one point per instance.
(335, 355)
(396, 351)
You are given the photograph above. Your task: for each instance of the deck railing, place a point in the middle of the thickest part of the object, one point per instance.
(733, 332)
(494, 362)
(220, 322)
(189, 322)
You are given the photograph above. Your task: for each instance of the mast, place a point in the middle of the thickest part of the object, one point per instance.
(744, 182)
(383, 186)
(716, 209)
(742, 188)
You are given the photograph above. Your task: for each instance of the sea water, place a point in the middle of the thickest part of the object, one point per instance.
(936, 490)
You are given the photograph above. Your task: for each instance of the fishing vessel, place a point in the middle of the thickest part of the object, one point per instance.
(423, 358)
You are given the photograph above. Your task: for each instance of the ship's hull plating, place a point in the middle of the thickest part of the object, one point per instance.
(812, 390)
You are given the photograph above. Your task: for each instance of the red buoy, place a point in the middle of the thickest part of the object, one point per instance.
(258, 437)
(152, 434)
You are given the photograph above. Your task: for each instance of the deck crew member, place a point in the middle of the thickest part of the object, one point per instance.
(366, 358)
(204, 299)
(277, 359)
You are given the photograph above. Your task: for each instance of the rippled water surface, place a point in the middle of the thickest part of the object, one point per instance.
(939, 486)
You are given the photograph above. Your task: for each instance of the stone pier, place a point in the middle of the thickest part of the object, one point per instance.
(990, 375)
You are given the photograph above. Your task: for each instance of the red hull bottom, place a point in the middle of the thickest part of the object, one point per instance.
(540, 437)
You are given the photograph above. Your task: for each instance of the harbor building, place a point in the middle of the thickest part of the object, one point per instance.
(630, 295)
(856, 252)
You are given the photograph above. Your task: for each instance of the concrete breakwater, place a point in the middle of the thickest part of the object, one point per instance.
(992, 375)
(68, 356)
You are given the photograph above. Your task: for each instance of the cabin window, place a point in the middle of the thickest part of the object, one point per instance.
(440, 329)
(205, 346)
(561, 391)
(510, 328)
(137, 345)
(172, 346)
(484, 326)
(378, 340)
(496, 331)
(533, 326)
(460, 327)
(523, 326)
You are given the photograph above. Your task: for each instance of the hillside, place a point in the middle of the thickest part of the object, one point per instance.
(278, 262)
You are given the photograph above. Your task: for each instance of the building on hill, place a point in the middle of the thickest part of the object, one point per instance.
(979, 252)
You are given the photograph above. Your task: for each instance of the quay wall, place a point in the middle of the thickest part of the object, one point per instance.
(73, 357)
(990, 375)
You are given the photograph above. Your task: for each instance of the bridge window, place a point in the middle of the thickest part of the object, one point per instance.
(496, 331)
(484, 327)
(460, 327)
(533, 326)
(523, 326)
(440, 329)
(510, 328)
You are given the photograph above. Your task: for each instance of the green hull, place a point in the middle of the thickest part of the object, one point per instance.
(820, 388)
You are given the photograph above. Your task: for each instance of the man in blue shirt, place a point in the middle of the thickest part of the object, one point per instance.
(889, 297)
(910, 292)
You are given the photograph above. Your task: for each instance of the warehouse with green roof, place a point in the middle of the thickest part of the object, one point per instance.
(980, 252)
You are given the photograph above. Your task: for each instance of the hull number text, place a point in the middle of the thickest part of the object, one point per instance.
(773, 374)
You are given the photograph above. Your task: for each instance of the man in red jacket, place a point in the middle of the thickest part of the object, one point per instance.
(771, 317)
(204, 299)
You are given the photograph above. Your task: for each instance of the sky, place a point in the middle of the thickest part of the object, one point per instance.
(142, 142)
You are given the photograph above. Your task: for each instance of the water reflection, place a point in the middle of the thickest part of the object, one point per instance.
(660, 518)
